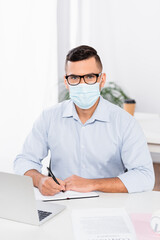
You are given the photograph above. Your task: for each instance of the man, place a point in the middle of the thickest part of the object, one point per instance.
(94, 145)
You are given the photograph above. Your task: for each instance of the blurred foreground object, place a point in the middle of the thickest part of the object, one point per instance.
(155, 222)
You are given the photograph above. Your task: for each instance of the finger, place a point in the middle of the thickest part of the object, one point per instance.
(53, 184)
(69, 187)
(44, 186)
(53, 192)
(67, 180)
(44, 190)
(47, 187)
(62, 184)
(50, 192)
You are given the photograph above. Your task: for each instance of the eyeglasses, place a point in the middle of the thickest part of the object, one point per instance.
(90, 79)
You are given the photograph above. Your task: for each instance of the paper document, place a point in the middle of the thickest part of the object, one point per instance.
(102, 224)
(64, 195)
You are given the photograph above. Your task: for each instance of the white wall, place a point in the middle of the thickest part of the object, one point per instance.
(63, 21)
(126, 34)
(28, 70)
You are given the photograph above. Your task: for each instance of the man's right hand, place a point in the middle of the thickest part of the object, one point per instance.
(46, 185)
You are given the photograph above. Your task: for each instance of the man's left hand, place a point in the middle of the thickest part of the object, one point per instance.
(79, 184)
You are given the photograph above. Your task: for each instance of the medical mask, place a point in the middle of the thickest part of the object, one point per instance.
(84, 95)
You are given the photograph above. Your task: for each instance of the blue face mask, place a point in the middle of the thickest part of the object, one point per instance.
(84, 95)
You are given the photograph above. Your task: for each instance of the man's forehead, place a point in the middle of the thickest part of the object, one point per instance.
(82, 67)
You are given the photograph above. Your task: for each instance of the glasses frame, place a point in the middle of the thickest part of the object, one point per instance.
(83, 76)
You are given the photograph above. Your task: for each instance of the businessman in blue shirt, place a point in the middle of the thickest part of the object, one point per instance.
(94, 144)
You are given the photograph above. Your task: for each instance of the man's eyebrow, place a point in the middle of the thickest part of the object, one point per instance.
(81, 74)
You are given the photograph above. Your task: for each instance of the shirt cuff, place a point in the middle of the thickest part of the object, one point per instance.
(137, 181)
(23, 166)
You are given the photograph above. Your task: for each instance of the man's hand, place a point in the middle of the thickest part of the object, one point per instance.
(79, 184)
(48, 187)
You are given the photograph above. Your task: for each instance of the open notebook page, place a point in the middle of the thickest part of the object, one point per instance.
(64, 195)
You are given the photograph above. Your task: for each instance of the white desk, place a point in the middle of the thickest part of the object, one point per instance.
(150, 124)
(60, 227)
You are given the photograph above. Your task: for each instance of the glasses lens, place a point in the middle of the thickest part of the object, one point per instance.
(90, 78)
(73, 80)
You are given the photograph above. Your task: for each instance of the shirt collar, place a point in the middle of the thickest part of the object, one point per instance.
(101, 113)
(70, 111)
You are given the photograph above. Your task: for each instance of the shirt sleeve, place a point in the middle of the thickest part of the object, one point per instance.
(35, 148)
(136, 159)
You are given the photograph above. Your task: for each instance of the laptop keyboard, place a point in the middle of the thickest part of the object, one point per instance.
(43, 214)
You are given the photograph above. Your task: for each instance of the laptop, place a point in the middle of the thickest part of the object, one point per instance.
(18, 203)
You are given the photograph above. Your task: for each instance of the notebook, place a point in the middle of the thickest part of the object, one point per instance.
(64, 195)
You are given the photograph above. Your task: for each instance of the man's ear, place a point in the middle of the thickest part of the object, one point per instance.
(65, 82)
(103, 80)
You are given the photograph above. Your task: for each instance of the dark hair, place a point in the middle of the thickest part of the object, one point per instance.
(81, 53)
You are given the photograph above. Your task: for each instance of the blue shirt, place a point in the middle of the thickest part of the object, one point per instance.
(110, 144)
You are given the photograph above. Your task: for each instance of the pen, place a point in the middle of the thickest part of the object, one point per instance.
(52, 175)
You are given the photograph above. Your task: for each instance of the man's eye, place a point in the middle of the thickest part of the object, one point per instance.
(90, 76)
(74, 77)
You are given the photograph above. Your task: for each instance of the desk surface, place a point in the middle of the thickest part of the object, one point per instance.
(60, 227)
